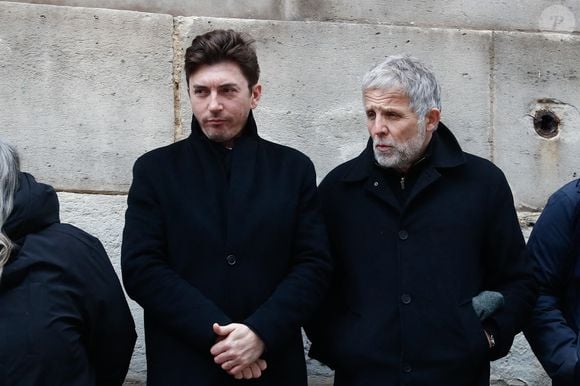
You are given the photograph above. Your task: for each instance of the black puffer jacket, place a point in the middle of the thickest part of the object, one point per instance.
(64, 319)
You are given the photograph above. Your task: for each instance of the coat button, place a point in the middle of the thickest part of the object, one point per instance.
(403, 235)
(406, 298)
(231, 259)
(407, 368)
(376, 183)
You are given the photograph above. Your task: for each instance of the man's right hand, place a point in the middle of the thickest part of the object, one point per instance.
(237, 347)
(252, 370)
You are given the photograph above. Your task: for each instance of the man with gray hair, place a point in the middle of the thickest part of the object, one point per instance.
(431, 281)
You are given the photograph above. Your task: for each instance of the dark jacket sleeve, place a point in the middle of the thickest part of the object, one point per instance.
(321, 328)
(164, 295)
(302, 290)
(508, 271)
(553, 341)
(110, 329)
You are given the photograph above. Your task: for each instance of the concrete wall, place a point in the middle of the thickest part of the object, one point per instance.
(85, 91)
(537, 15)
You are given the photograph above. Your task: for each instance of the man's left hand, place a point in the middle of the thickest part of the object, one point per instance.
(237, 347)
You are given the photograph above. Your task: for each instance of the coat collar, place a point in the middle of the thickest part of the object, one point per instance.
(220, 189)
(445, 153)
(35, 207)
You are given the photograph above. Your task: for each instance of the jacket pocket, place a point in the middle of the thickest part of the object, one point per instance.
(348, 337)
(474, 333)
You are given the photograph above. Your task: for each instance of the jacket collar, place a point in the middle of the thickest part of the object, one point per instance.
(445, 153)
(35, 207)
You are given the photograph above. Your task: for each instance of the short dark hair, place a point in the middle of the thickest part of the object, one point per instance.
(223, 46)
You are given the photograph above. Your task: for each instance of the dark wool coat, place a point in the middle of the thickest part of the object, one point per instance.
(555, 246)
(200, 248)
(400, 310)
(64, 319)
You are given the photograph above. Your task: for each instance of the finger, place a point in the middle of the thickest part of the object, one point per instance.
(236, 373)
(237, 369)
(222, 330)
(256, 373)
(229, 366)
(247, 373)
(262, 364)
(223, 357)
(218, 348)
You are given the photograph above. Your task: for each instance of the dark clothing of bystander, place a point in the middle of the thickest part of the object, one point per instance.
(64, 319)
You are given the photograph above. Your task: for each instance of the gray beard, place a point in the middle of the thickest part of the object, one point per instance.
(402, 155)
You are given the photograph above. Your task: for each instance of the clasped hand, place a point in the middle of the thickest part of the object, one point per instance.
(238, 350)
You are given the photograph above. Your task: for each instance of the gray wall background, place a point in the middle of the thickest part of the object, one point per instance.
(88, 86)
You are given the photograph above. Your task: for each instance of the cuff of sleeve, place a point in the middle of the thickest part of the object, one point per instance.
(272, 333)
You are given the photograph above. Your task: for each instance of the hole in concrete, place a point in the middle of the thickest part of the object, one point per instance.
(546, 124)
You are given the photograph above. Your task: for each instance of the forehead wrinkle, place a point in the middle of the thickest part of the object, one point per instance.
(386, 101)
(382, 108)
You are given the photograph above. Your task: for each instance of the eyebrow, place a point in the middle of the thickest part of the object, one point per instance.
(383, 109)
(219, 86)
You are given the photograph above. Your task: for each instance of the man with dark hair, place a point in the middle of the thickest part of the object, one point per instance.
(430, 276)
(224, 245)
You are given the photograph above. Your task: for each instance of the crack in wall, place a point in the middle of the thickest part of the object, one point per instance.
(491, 134)
(95, 192)
(177, 70)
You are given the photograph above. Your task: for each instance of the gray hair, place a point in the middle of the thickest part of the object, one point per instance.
(9, 170)
(409, 75)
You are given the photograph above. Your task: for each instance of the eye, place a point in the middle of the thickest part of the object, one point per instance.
(198, 91)
(228, 90)
(371, 115)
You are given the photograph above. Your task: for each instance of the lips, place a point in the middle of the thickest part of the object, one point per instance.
(383, 147)
(215, 121)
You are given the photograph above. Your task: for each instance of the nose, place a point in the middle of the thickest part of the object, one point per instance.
(214, 102)
(379, 126)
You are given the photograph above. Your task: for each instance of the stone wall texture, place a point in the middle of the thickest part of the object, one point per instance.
(88, 86)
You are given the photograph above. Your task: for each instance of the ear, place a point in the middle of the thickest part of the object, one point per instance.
(432, 119)
(188, 86)
(256, 94)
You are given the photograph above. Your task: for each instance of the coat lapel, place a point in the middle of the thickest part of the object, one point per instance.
(445, 153)
(378, 187)
(363, 171)
(426, 178)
